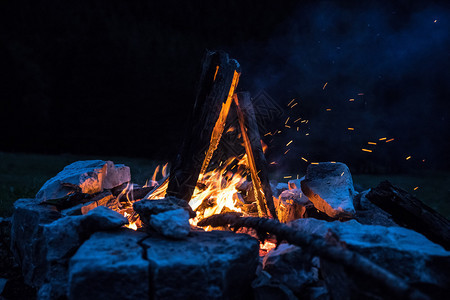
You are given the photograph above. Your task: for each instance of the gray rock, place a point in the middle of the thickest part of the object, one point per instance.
(151, 207)
(292, 267)
(27, 240)
(64, 236)
(404, 252)
(172, 223)
(3, 282)
(168, 216)
(330, 187)
(91, 176)
(62, 239)
(266, 287)
(110, 265)
(207, 265)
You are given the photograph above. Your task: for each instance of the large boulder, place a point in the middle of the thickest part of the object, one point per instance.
(110, 265)
(403, 252)
(330, 187)
(210, 265)
(90, 176)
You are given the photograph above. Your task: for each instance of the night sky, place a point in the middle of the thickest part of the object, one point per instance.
(119, 77)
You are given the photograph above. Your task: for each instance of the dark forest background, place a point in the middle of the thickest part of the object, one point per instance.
(119, 77)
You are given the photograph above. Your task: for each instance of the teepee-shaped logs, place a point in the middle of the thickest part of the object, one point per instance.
(215, 97)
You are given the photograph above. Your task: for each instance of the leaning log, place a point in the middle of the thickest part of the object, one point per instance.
(329, 250)
(255, 154)
(218, 80)
(410, 212)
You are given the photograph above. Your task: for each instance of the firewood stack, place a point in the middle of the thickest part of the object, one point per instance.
(215, 97)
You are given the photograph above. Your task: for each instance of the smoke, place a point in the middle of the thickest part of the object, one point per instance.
(393, 60)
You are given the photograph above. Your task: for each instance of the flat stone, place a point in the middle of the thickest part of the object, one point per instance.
(404, 252)
(172, 223)
(110, 265)
(27, 241)
(329, 186)
(206, 265)
(90, 176)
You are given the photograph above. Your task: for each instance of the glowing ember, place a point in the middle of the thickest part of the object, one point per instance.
(267, 246)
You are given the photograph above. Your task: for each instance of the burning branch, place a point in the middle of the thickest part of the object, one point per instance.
(321, 247)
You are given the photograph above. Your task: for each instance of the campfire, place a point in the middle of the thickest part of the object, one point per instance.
(215, 226)
(214, 184)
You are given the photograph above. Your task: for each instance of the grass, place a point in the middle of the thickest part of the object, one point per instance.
(22, 175)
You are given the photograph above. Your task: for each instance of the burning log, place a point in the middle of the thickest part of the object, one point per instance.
(330, 249)
(218, 80)
(255, 155)
(410, 212)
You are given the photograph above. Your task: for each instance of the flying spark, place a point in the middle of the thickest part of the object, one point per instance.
(291, 102)
(408, 157)
(325, 85)
(294, 104)
(390, 140)
(351, 100)
(288, 143)
(371, 143)
(366, 150)
(304, 159)
(351, 128)
(382, 139)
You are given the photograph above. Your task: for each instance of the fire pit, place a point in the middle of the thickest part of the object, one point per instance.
(91, 233)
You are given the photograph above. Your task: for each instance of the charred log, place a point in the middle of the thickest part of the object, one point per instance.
(255, 155)
(408, 211)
